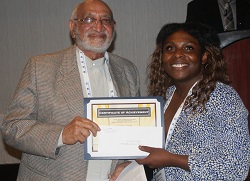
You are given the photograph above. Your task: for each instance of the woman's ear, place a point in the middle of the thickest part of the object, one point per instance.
(204, 58)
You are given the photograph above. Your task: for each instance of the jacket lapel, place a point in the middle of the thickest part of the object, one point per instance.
(115, 70)
(70, 83)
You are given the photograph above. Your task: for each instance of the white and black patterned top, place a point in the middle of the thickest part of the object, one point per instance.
(217, 141)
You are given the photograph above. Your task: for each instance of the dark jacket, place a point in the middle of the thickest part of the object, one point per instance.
(208, 12)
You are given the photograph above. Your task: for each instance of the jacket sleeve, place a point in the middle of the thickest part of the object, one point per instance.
(21, 127)
(223, 151)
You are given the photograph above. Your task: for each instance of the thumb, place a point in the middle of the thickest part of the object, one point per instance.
(145, 148)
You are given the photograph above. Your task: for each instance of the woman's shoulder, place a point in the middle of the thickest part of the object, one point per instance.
(224, 90)
(226, 97)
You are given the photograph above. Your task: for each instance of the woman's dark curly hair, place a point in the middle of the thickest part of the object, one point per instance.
(215, 67)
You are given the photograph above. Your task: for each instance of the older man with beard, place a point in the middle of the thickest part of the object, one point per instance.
(45, 119)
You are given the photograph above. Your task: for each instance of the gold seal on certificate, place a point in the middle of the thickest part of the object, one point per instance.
(125, 124)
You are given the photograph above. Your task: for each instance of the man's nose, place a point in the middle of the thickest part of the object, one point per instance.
(98, 25)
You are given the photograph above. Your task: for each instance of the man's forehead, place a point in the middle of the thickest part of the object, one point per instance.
(95, 9)
(95, 14)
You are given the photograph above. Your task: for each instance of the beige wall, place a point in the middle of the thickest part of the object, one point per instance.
(32, 27)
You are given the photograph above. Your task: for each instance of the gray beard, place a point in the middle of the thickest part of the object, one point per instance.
(85, 46)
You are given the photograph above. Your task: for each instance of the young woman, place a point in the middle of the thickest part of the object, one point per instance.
(206, 122)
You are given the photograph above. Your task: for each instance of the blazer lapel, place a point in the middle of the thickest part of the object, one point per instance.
(115, 70)
(70, 83)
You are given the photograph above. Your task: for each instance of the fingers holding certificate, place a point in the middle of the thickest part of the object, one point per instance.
(125, 123)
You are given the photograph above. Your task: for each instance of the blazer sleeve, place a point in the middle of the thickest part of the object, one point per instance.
(21, 127)
(223, 140)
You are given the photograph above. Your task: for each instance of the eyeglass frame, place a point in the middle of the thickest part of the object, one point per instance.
(94, 21)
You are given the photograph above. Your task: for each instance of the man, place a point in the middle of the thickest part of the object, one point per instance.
(45, 119)
(212, 13)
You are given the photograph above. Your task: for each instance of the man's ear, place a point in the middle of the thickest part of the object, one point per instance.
(204, 58)
(72, 27)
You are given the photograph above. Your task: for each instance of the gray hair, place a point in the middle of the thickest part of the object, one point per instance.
(74, 13)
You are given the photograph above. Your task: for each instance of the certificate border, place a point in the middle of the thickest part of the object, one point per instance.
(86, 101)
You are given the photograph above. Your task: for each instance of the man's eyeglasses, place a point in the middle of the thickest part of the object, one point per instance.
(93, 21)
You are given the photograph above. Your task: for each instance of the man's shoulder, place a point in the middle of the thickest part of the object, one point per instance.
(65, 52)
(54, 59)
(113, 58)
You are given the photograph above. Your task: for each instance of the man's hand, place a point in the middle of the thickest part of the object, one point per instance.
(78, 130)
(118, 170)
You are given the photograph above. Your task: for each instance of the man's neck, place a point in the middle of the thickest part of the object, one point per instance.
(93, 55)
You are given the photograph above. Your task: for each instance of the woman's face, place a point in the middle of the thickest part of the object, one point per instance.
(182, 57)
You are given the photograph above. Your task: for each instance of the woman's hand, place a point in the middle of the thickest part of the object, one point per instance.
(159, 158)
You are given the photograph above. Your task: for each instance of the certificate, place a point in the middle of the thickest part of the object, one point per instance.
(125, 124)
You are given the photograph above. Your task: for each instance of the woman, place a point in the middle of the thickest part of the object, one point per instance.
(206, 122)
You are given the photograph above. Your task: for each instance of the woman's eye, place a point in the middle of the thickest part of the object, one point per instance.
(169, 48)
(188, 48)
